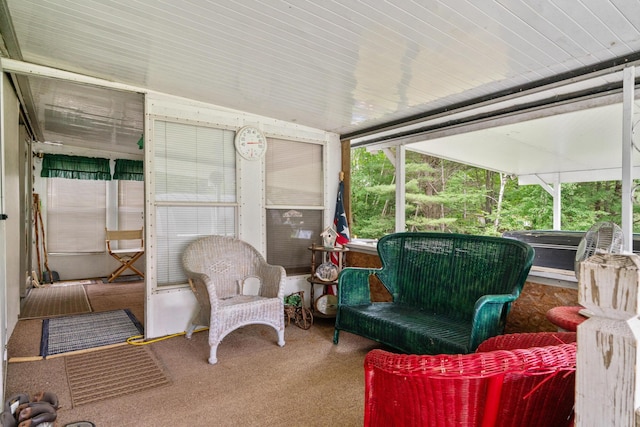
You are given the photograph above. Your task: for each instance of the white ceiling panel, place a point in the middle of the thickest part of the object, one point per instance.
(339, 66)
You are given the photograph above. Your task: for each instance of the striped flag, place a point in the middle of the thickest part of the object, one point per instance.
(340, 223)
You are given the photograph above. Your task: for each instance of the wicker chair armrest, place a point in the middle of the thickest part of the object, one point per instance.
(203, 288)
(273, 280)
(353, 285)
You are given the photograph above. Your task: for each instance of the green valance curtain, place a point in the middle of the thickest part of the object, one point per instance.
(75, 167)
(131, 170)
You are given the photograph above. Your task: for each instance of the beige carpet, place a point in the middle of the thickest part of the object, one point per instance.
(110, 373)
(308, 382)
(55, 300)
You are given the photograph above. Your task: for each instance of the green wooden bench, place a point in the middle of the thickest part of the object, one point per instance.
(450, 291)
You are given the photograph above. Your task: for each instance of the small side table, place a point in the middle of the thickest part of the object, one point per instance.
(324, 254)
(566, 318)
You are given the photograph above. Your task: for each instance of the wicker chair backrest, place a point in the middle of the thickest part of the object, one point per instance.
(522, 387)
(226, 259)
(444, 273)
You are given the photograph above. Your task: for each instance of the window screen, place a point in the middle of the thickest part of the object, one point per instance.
(295, 197)
(195, 191)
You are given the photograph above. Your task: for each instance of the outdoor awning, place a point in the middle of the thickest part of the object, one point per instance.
(569, 133)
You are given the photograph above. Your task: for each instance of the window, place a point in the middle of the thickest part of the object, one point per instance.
(195, 191)
(76, 215)
(295, 202)
(130, 209)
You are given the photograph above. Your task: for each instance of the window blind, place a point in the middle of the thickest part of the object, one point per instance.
(195, 183)
(130, 209)
(76, 215)
(295, 197)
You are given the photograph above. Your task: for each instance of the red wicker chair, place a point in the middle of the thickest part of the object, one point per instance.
(513, 380)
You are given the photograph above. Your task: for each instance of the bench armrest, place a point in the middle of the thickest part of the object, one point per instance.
(353, 285)
(489, 317)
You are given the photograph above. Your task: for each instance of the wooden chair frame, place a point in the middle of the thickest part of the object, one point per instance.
(126, 256)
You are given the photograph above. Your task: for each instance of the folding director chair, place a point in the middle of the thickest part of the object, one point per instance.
(125, 256)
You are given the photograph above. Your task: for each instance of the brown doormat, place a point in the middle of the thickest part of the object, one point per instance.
(113, 372)
(55, 300)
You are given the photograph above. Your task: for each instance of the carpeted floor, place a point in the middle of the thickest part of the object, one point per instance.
(110, 296)
(310, 381)
(55, 300)
(110, 373)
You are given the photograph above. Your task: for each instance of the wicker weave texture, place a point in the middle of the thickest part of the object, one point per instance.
(527, 340)
(504, 388)
(217, 267)
(459, 287)
(566, 317)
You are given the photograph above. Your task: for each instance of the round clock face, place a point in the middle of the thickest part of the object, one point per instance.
(250, 143)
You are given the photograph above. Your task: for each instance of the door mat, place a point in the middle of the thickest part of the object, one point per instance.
(55, 300)
(112, 372)
(84, 331)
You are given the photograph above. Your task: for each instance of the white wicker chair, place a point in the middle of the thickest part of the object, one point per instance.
(217, 268)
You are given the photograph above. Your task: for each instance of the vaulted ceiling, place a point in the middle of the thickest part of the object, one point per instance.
(350, 67)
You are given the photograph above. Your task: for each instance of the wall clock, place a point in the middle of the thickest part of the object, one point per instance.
(250, 143)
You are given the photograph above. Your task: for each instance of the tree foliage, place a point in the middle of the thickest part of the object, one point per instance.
(441, 195)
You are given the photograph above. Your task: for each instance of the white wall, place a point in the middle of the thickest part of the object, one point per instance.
(169, 310)
(12, 203)
(10, 228)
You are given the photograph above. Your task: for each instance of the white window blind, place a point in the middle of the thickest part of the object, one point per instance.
(294, 178)
(76, 215)
(195, 190)
(130, 209)
(294, 173)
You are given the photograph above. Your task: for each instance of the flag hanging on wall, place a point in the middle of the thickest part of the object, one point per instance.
(340, 223)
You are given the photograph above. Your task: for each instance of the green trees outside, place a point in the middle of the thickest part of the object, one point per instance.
(447, 196)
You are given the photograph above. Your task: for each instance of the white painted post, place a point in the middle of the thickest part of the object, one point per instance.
(607, 392)
(401, 197)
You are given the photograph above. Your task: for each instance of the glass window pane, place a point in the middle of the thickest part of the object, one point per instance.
(289, 233)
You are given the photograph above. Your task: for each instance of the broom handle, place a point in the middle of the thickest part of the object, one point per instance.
(44, 247)
(36, 210)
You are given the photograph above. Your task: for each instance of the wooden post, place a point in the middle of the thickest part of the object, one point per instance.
(607, 392)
